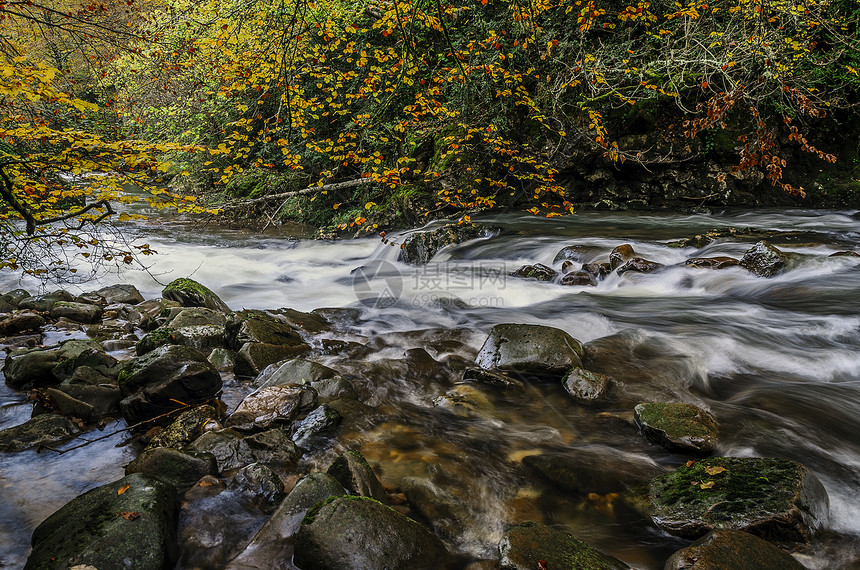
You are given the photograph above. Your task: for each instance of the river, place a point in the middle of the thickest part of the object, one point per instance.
(775, 360)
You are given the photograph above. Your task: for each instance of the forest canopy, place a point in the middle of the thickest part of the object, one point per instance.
(355, 112)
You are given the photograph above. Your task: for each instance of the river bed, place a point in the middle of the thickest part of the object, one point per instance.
(774, 359)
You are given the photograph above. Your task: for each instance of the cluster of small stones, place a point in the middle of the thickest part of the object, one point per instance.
(160, 365)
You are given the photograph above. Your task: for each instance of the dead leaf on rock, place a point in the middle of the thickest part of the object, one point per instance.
(707, 485)
(130, 515)
(123, 489)
(690, 463)
(714, 470)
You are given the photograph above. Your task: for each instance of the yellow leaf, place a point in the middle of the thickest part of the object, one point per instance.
(369, 205)
(336, 206)
(714, 470)
(707, 485)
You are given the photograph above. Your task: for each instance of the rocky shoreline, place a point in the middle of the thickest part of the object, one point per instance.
(233, 411)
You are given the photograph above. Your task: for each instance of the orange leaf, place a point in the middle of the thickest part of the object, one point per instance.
(123, 489)
(130, 515)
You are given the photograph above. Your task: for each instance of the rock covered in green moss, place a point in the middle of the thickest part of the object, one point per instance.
(190, 293)
(128, 523)
(78, 312)
(530, 349)
(187, 427)
(537, 271)
(776, 499)
(352, 533)
(525, 545)
(679, 427)
(721, 549)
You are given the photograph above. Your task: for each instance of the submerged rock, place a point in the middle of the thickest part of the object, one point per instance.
(529, 349)
(420, 247)
(46, 429)
(775, 499)
(721, 549)
(765, 260)
(260, 482)
(352, 533)
(190, 293)
(437, 506)
(683, 428)
(525, 546)
(128, 523)
(712, 262)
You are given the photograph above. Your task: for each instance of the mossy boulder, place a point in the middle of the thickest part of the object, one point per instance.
(187, 427)
(534, 350)
(46, 429)
(111, 528)
(683, 428)
(765, 260)
(190, 293)
(776, 499)
(722, 549)
(585, 386)
(525, 545)
(351, 533)
(420, 247)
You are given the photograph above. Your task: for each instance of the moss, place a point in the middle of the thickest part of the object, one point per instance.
(676, 419)
(188, 286)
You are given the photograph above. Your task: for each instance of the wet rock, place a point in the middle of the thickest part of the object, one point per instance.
(111, 330)
(567, 266)
(537, 271)
(579, 279)
(599, 270)
(260, 482)
(196, 316)
(259, 327)
(721, 549)
(296, 371)
(683, 428)
(19, 322)
(150, 310)
(577, 253)
(529, 349)
(273, 405)
(346, 533)
(337, 388)
(190, 293)
(121, 293)
(492, 378)
(153, 384)
(316, 427)
(85, 375)
(222, 358)
(596, 469)
(36, 366)
(233, 450)
(181, 469)
(69, 406)
(272, 546)
(844, 254)
(15, 296)
(78, 312)
(159, 337)
(20, 341)
(639, 265)
(523, 546)
(585, 386)
(44, 303)
(765, 260)
(103, 399)
(465, 401)
(712, 262)
(90, 357)
(420, 247)
(187, 427)
(446, 514)
(46, 429)
(104, 529)
(254, 357)
(355, 475)
(776, 499)
(621, 255)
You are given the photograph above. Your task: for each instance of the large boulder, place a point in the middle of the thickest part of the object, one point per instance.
(525, 546)
(37, 367)
(120, 293)
(46, 429)
(765, 260)
(530, 349)
(179, 468)
(721, 549)
(775, 499)
(262, 339)
(679, 427)
(187, 427)
(267, 407)
(102, 399)
(352, 533)
(43, 303)
(420, 247)
(163, 380)
(190, 293)
(130, 523)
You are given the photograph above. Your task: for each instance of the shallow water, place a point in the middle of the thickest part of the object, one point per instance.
(774, 359)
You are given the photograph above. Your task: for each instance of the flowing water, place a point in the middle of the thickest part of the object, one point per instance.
(776, 361)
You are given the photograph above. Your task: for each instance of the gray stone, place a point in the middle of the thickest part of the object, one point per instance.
(524, 545)
(103, 399)
(273, 405)
(723, 549)
(296, 371)
(776, 499)
(190, 293)
(260, 482)
(179, 468)
(585, 386)
(106, 529)
(316, 427)
(36, 366)
(353, 472)
(233, 450)
(260, 327)
(352, 533)
(20, 321)
(197, 316)
(712, 262)
(78, 312)
(222, 358)
(43, 303)
(529, 349)
(678, 427)
(45, 429)
(121, 293)
(254, 357)
(68, 405)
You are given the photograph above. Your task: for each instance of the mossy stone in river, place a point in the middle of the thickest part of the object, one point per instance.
(352, 533)
(776, 499)
(721, 549)
(420, 247)
(525, 545)
(190, 293)
(684, 428)
(765, 260)
(537, 271)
